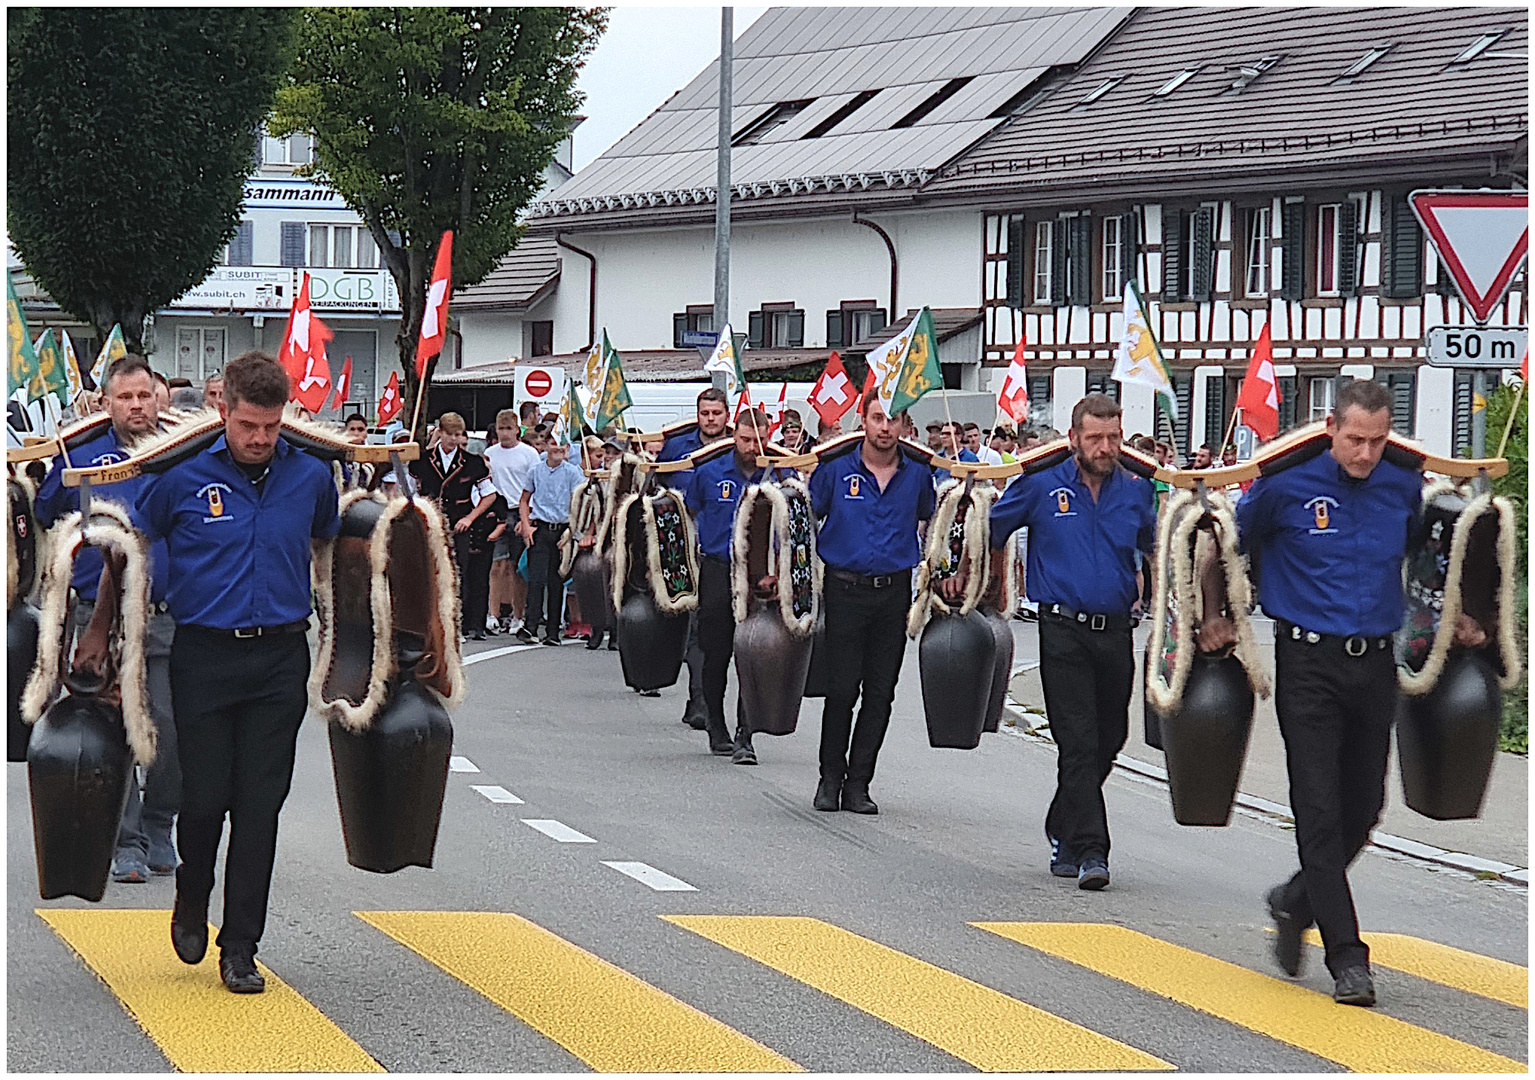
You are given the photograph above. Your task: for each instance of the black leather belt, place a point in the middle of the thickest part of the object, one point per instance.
(245, 633)
(869, 581)
(1355, 645)
(1092, 622)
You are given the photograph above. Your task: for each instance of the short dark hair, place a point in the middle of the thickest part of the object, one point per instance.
(791, 416)
(126, 365)
(523, 409)
(1205, 446)
(972, 427)
(355, 416)
(540, 430)
(1095, 404)
(256, 378)
(161, 379)
(713, 393)
(934, 425)
(178, 382)
(1364, 394)
(863, 406)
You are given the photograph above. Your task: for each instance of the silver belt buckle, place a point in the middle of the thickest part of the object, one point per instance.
(1081, 617)
(1098, 622)
(1312, 637)
(1356, 639)
(250, 632)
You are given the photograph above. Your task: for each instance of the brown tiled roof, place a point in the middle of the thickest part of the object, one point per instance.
(524, 277)
(947, 322)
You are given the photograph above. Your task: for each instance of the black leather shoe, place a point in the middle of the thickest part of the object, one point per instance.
(744, 755)
(695, 720)
(1287, 940)
(1354, 986)
(720, 741)
(828, 795)
(237, 967)
(855, 797)
(189, 931)
(594, 642)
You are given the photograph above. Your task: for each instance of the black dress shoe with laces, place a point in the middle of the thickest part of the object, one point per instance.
(855, 798)
(1287, 939)
(237, 967)
(1354, 986)
(828, 795)
(189, 931)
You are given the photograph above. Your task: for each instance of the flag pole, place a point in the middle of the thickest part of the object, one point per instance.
(1513, 414)
(1235, 413)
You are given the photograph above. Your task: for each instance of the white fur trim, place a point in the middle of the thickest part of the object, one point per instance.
(621, 549)
(779, 554)
(975, 504)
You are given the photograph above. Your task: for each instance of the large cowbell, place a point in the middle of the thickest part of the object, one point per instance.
(388, 659)
(655, 585)
(1002, 668)
(774, 538)
(83, 745)
(957, 658)
(1206, 740)
(592, 578)
(1460, 560)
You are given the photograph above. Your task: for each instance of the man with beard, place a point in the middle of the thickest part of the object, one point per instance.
(1087, 517)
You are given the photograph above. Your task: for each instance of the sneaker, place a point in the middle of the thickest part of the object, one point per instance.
(1287, 940)
(478, 635)
(1062, 863)
(129, 868)
(525, 636)
(1093, 875)
(162, 856)
(1354, 986)
(551, 641)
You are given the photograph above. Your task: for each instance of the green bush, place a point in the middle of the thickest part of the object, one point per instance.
(1515, 487)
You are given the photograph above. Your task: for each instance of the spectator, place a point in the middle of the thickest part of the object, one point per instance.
(356, 429)
(612, 451)
(934, 438)
(1228, 457)
(827, 430)
(791, 432)
(510, 460)
(543, 511)
(1203, 459)
(187, 398)
(972, 440)
(527, 416)
(449, 473)
(951, 445)
(213, 391)
(162, 393)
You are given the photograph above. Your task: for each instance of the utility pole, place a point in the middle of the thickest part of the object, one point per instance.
(722, 182)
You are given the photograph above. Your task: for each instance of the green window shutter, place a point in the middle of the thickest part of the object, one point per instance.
(679, 326)
(1293, 246)
(754, 330)
(1348, 248)
(1017, 249)
(1129, 248)
(1401, 251)
(1183, 391)
(1200, 285)
(1288, 388)
(1461, 426)
(292, 250)
(1040, 397)
(1444, 286)
(1215, 411)
(1081, 231)
(834, 339)
(1172, 254)
(796, 329)
(1058, 262)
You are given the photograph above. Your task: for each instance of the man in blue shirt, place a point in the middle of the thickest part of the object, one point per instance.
(713, 410)
(713, 493)
(1087, 518)
(871, 501)
(950, 446)
(237, 519)
(1327, 538)
(128, 394)
(544, 513)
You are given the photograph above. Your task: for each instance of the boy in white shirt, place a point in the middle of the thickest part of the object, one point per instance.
(510, 460)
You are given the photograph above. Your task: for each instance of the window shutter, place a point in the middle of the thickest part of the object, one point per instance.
(834, 338)
(879, 322)
(1215, 411)
(1443, 285)
(1081, 258)
(1402, 251)
(1287, 391)
(679, 325)
(293, 243)
(1183, 390)
(1462, 411)
(1039, 395)
(1403, 388)
(1129, 249)
(1348, 248)
(240, 247)
(1017, 248)
(1058, 262)
(1293, 246)
(796, 329)
(256, 159)
(754, 330)
(1172, 254)
(1199, 279)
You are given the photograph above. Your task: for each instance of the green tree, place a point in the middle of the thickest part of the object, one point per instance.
(131, 134)
(427, 119)
(1516, 487)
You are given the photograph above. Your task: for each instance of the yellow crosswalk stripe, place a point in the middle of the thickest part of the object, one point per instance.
(988, 1029)
(199, 1025)
(603, 1015)
(1483, 976)
(1358, 1039)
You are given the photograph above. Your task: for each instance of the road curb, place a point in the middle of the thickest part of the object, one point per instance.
(1398, 845)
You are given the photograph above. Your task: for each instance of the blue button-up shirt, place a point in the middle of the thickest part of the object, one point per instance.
(1327, 549)
(965, 454)
(54, 500)
(1081, 552)
(239, 556)
(549, 490)
(680, 446)
(713, 493)
(865, 530)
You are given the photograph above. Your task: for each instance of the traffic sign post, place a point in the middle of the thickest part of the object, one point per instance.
(1481, 237)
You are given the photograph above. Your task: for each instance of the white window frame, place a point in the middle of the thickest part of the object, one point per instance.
(1321, 411)
(862, 320)
(280, 151)
(359, 239)
(203, 369)
(776, 330)
(1110, 253)
(1044, 260)
(1260, 248)
(1327, 266)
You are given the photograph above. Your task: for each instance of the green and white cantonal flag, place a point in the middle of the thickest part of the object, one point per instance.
(906, 367)
(614, 397)
(1138, 358)
(725, 360)
(572, 418)
(114, 349)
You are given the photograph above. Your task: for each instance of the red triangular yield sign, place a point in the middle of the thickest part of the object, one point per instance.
(1481, 236)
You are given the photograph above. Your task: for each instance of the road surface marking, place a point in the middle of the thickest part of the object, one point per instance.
(1471, 972)
(491, 654)
(199, 1025)
(1358, 1039)
(497, 794)
(558, 830)
(646, 874)
(978, 1025)
(461, 764)
(603, 1015)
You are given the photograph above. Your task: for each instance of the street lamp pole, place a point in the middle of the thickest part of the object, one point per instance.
(722, 182)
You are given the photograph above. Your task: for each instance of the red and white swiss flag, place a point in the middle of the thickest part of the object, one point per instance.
(295, 340)
(343, 384)
(833, 394)
(1013, 397)
(1259, 399)
(778, 411)
(743, 403)
(389, 402)
(434, 321)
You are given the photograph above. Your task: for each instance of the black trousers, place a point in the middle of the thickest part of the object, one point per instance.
(473, 558)
(866, 640)
(1335, 713)
(1088, 676)
(716, 637)
(546, 589)
(238, 706)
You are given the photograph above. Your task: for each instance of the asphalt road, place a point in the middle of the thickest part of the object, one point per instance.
(958, 842)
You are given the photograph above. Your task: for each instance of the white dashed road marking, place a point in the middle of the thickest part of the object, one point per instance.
(461, 764)
(497, 794)
(558, 830)
(646, 874)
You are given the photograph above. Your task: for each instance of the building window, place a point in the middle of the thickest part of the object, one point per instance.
(541, 337)
(1322, 392)
(698, 318)
(294, 150)
(853, 321)
(1044, 234)
(345, 247)
(238, 251)
(1113, 258)
(1258, 250)
(199, 352)
(776, 326)
(1328, 246)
